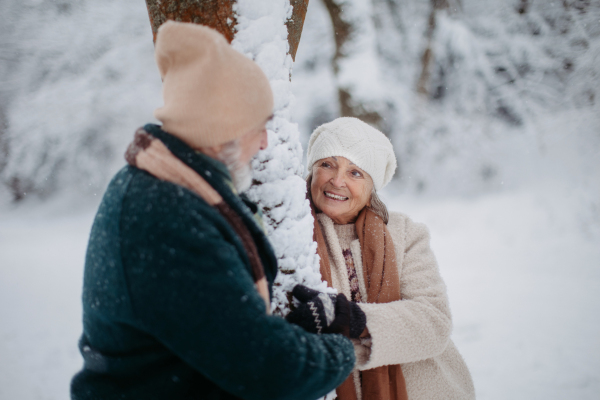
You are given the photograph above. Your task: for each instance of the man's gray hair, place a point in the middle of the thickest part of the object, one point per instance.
(377, 206)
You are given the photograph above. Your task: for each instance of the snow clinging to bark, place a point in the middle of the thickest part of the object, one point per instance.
(278, 185)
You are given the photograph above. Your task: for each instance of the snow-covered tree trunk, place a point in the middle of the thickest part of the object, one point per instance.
(278, 186)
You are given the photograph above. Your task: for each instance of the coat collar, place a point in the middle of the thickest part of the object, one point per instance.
(209, 168)
(217, 175)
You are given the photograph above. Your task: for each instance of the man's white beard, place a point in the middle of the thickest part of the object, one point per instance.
(240, 174)
(242, 177)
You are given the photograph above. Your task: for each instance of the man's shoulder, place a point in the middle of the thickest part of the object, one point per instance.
(162, 221)
(159, 196)
(148, 203)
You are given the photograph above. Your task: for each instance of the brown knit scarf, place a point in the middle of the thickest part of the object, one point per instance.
(150, 154)
(383, 286)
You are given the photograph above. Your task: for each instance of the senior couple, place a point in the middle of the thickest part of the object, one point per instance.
(179, 273)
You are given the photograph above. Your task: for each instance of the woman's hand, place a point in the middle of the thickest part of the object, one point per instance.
(319, 312)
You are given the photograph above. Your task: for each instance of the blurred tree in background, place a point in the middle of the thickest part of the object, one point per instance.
(477, 95)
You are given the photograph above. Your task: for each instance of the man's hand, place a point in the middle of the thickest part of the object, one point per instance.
(322, 313)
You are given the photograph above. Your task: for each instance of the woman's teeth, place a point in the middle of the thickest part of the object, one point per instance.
(335, 196)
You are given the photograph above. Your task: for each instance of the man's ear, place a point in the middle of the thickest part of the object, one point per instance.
(211, 151)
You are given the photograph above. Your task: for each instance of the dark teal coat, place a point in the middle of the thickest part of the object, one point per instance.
(169, 305)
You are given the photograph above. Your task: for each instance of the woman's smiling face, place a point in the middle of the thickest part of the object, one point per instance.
(340, 189)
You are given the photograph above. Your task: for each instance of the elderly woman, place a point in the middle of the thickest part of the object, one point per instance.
(383, 264)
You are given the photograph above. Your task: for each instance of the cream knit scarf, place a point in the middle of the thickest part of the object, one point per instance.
(151, 155)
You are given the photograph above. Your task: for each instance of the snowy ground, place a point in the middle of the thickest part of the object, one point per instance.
(523, 278)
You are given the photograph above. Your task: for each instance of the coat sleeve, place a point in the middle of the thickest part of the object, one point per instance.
(191, 291)
(417, 327)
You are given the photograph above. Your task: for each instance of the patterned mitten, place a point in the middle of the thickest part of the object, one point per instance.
(319, 312)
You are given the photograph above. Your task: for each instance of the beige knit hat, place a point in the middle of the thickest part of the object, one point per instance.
(360, 143)
(212, 93)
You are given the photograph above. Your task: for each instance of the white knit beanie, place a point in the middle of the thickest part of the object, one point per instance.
(213, 94)
(358, 142)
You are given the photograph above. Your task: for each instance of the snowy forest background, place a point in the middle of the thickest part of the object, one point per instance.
(494, 111)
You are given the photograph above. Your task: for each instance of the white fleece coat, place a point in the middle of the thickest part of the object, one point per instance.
(415, 331)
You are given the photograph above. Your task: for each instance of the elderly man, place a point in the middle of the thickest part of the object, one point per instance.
(179, 272)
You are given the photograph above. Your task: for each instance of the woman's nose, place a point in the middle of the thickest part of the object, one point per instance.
(338, 179)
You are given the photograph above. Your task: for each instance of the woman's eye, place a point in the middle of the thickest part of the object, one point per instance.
(325, 164)
(356, 174)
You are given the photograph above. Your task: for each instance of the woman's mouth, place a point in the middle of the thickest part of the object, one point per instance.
(335, 196)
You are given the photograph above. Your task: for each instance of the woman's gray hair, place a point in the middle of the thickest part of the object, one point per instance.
(377, 206)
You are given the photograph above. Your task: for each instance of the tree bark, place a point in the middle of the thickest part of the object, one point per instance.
(219, 15)
(295, 25)
(427, 58)
(342, 30)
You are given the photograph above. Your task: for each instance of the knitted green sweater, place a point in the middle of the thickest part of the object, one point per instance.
(170, 310)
